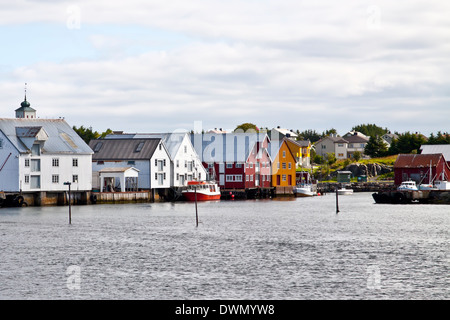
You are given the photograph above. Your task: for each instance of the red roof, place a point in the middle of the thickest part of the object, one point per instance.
(417, 160)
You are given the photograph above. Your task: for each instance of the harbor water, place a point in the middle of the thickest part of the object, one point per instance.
(287, 248)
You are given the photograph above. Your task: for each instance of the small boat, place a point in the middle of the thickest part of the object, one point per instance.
(408, 186)
(343, 191)
(201, 191)
(428, 186)
(305, 190)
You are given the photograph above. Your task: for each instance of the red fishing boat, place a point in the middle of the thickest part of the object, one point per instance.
(203, 190)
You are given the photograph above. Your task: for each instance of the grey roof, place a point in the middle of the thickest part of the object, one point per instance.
(62, 139)
(123, 149)
(172, 141)
(334, 139)
(229, 147)
(356, 139)
(437, 148)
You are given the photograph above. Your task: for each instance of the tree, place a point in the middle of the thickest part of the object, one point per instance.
(357, 156)
(311, 135)
(407, 143)
(375, 147)
(331, 158)
(86, 133)
(246, 126)
(370, 130)
(329, 132)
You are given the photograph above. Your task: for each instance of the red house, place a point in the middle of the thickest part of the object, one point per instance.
(235, 160)
(417, 167)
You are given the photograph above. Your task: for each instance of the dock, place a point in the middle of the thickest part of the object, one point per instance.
(411, 197)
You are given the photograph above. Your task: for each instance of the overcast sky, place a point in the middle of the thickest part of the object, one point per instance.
(159, 66)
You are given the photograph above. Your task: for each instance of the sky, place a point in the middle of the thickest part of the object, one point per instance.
(178, 65)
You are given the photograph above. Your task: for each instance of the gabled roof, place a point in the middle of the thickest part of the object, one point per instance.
(123, 149)
(333, 139)
(172, 141)
(229, 147)
(357, 139)
(62, 139)
(417, 160)
(437, 148)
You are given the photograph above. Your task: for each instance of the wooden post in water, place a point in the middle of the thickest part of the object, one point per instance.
(337, 200)
(70, 208)
(196, 211)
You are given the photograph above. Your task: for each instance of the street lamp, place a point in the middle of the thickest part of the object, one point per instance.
(70, 209)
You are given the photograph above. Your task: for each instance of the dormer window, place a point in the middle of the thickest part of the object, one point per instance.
(139, 147)
(36, 149)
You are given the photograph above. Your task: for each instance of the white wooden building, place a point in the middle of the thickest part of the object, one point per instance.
(42, 154)
(185, 165)
(149, 156)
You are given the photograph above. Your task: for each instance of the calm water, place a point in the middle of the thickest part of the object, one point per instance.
(263, 249)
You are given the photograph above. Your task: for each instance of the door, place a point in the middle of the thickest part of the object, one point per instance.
(278, 179)
(222, 179)
(221, 167)
(290, 180)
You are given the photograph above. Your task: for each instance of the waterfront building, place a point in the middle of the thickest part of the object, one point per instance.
(417, 167)
(235, 160)
(38, 156)
(185, 162)
(283, 164)
(301, 150)
(149, 156)
(437, 148)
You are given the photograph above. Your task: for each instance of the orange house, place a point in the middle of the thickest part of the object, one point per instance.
(283, 166)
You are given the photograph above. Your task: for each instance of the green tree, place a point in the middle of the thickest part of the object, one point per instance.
(376, 147)
(370, 130)
(246, 126)
(331, 158)
(407, 143)
(357, 156)
(311, 135)
(86, 133)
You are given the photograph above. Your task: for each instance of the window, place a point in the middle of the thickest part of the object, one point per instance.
(340, 155)
(251, 178)
(278, 165)
(229, 178)
(100, 163)
(178, 176)
(190, 166)
(139, 147)
(289, 165)
(178, 164)
(27, 163)
(283, 177)
(238, 178)
(160, 146)
(98, 146)
(284, 154)
(238, 165)
(160, 164)
(35, 165)
(251, 165)
(36, 150)
(55, 178)
(27, 179)
(247, 178)
(185, 149)
(324, 146)
(75, 162)
(131, 163)
(75, 178)
(229, 166)
(340, 145)
(55, 162)
(1, 143)
(284, 165)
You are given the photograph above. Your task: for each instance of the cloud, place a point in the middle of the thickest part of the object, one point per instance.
(297, 64)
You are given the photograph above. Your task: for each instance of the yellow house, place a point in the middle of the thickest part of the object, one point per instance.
(301, 151)
(283, 166)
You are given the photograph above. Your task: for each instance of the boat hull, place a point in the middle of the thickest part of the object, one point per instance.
(190, 196)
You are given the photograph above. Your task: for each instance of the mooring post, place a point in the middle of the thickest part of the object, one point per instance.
(337, 200)
(70, 208)
(196, 211)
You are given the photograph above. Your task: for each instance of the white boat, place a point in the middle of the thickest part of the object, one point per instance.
(428, 186)
(443, 183)
(304, 191)
(408, 186)
(201, 191)
(344, 191)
